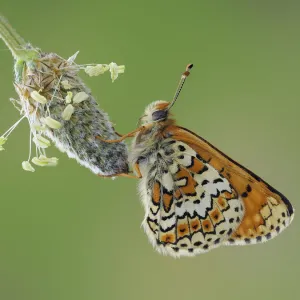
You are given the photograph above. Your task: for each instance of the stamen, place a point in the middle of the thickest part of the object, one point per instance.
(115, 70)
(43, 161)
(50, 122)
(68, 98)
(79, 97)
(30, 145)
(38, 97)
(26, 165)
(67, 113)
(96, 70)
(65, 84)
(11, 129)
(41, 142)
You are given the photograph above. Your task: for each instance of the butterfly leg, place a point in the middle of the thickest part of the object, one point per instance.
(136, 168)
(117, 133)
(130, 134)
(120, 175)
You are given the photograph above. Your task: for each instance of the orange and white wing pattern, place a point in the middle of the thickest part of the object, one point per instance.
(267, 211)
(197, 199)
(190, 207)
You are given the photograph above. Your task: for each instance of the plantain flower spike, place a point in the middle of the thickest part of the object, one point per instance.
(60, 108)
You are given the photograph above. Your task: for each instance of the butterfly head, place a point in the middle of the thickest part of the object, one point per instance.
(155, 112)
(159, 110)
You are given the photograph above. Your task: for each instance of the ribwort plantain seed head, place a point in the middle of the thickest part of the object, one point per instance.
(61, 108)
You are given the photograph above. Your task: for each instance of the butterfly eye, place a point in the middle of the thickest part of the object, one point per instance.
(159, 115)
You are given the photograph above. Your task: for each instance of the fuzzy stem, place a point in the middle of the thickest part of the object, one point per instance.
(15, 42)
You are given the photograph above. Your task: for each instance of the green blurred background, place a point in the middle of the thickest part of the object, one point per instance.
(66, 234)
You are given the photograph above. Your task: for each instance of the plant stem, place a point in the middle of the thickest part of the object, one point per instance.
(15, 42)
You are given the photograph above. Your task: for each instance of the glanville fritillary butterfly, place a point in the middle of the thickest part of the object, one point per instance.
(196, 198)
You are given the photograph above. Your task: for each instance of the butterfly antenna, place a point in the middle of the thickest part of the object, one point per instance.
(181, 83)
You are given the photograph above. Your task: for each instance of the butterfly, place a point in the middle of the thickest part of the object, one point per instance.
(196, 198)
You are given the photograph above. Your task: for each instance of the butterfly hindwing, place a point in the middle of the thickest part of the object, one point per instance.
(267, 212)
(191, 207)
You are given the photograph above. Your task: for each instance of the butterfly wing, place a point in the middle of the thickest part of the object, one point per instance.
(267, 211)
(190, 207)
(196, 198)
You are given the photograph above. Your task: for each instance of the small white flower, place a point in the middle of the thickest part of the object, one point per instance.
(38, 97)
(1, 148)
(41, 141)
(51, 123)
(68, 98)
(96, 70)
(65, 84)
(26, 165)
(115, 70)
(43, 161)
(79, 97)
(68, 111)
